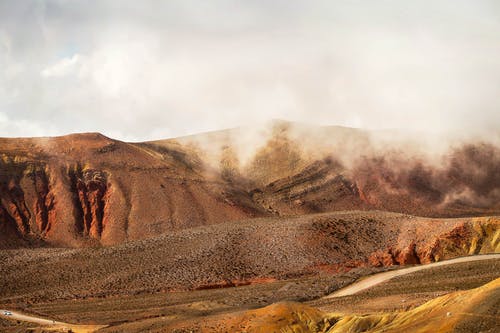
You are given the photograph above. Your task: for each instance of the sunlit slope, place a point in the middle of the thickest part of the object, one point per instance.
(465, 311)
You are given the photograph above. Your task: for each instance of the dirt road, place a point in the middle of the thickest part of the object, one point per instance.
(52, 323)
(360, 285)
(373, 280)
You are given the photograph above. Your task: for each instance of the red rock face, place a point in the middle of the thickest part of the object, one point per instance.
(406, 256)
(87, 189)
(29, 202)
(90, 187)
(44, 200)
(25, 199)
(461, 239)
(17, 207)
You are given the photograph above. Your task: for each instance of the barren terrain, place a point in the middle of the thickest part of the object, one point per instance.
(182, 311)
(394, 306)
(165, 235)
(87, 189)
(238, 253)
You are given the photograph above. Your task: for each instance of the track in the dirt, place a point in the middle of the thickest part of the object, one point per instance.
(52, 323)
(376, 279)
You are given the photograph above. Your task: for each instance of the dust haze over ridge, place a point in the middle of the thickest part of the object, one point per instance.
(412, 89)
(145, 70)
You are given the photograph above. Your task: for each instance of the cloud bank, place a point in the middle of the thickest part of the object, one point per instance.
(138, 70)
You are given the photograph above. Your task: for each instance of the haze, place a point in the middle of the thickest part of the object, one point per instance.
(139, 70)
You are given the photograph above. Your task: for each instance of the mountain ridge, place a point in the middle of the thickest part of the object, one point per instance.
(87, 189)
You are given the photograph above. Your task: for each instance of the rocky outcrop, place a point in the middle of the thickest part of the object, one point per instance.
(320, 187)
(25, 197)
(44, 200)
(89, 187)
(481, 235)
(477, 236)
(390, 257)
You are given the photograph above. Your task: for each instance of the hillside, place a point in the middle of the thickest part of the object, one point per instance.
(216, 310)
(242, 253)
(87, 189)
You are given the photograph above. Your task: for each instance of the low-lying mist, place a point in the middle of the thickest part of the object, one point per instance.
(442, 169)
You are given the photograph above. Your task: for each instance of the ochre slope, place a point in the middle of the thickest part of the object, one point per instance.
(464, 311)
(477, 309)
(280, 317)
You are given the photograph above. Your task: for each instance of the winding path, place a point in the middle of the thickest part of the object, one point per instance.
(362, 284)
(52, 323)
(373, 280)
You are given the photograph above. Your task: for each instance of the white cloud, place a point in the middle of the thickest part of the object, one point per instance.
(24, 127)
(142, 70)
(64, 67)
(3, 118)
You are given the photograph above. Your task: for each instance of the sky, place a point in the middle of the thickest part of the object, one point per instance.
(141, 70)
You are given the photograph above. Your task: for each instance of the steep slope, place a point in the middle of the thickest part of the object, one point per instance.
(86, 188)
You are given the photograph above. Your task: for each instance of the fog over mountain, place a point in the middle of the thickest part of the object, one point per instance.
(249, 166)
(141, 70)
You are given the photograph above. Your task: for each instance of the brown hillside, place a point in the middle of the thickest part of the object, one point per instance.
(87, 189)
(239, 253)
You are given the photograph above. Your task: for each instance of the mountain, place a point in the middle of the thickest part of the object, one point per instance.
(87, 189)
